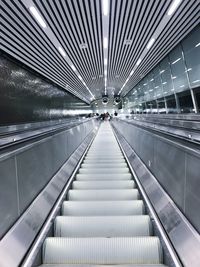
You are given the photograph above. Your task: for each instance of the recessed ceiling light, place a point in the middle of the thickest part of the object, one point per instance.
(139, 61)
(62, 51)
(83, 46)
(173, 7)
(37, 16)
(150, 43)
(73, 67)
(128, 42)
(105, 7)
(105, 42)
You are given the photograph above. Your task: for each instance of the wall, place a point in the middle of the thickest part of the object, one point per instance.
(25, 172)
(27, 96)
(171, 85)
(176, 167)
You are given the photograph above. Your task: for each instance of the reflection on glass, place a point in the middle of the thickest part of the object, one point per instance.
(178, 72)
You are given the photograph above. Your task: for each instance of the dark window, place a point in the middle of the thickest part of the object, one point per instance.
(197, 96)
(171, 104)
(185, 102)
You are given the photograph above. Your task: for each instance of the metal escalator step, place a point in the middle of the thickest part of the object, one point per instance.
(115, 184)
(104, 157)
(104, 165)
(102, 208)
(105, 170)
(108, 226)
(103, 176)
(118, 250)
(103, 195)
(100, 265)
(114, 161)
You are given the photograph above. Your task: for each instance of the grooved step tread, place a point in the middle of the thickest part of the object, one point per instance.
(104, 226)
(103, 208)
(104, 194)
(116, 250)
(115, 184)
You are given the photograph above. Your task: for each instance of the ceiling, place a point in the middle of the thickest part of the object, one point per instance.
(79, 28)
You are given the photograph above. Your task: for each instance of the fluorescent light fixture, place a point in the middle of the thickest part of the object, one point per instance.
(139, 61)
(105, 4)
(162, 71)
(197, 45)
(196, 81)
(151, 80)
(156, 87)
(105, 42)
(131, 72)
(37, 16)
(151, 90)
(80, 77)
(173, 7)
(72, 66)
(150, 43)
(164, 83)
(182, 85)
(62, 51)
(105, 72)
(174, 77)
(144, 84)
(176, 60)
(105, 61)
(165, 92)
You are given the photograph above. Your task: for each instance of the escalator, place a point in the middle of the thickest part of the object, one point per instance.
(103, 219)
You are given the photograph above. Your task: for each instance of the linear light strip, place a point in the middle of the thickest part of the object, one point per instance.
(105, 22)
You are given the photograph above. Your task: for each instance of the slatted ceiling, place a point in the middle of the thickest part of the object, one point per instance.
(75, 22)
(175, 31)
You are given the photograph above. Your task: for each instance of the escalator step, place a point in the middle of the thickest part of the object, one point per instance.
(102, 208)
(118, 250)
(127, 184)
(102, 161)
(105, 170)
(108, 226)
(104, 176)
(103, 165)
(106, 194)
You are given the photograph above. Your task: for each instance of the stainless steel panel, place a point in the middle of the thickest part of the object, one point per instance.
(19, 238)
(8, 195)
(182, 234)
(192, 190)
(35, 168)
(169, 169)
